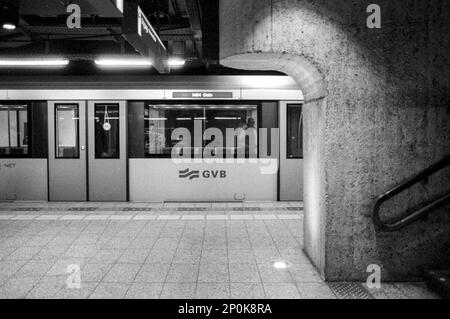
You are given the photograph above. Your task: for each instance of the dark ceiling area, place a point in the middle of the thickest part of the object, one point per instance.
(188, 29)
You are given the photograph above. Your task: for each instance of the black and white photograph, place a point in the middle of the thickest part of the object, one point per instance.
(224, 158)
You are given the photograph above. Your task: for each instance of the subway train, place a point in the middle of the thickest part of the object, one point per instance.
(112, 139)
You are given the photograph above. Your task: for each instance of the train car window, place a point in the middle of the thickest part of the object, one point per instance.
(107, 134)
(244, 117)
(14, 130)
(67, 130)
(294, 136)
(162, 120)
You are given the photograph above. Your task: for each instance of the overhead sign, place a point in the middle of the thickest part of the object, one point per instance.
(202, 95)
(139, 32)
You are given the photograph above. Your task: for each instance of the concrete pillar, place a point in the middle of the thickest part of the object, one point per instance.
(376, 112)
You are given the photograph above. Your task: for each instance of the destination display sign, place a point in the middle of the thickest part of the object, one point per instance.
(202, 95)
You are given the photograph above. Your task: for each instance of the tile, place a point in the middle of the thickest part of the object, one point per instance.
(289, 216)
(303, 273)
(35, 268)
(213, 273)
(241, 217)
(211, 256)
(169, 217)
(183, 273)
(92, 272)
(187, 256)
(265, 217)
(144, 217)
(153, 273)
(217, 217)
(17, 288)
(24, 217)
(47, 287)
(9, 268)
(97, 217)
(120, 217)
(106, 256)
(48, 217)
(193, 217)
(241, 256)
(122, 273)
(23, 253)
(247, 291)
(72, 217)
(160, 256)
(271, 275)
(315, 291)
(144, 291)
(244, 273)
(83, 292)
(110, 291)
(281, 291)
(239, 244)
(61, 266)
(212, 291)
(134, 256)
(178, 291)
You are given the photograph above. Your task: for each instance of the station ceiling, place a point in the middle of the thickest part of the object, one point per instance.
(188, 30)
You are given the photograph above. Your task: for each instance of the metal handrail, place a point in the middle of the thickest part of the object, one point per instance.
(397, 223)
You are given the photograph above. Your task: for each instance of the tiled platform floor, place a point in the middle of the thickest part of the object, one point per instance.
(185, 250)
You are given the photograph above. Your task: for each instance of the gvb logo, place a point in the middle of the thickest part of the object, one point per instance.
(206, 174)
(187, 173)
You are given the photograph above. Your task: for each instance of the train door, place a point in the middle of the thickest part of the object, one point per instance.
(67, 151)
(291, 151)
(107, 155)
(87, 151)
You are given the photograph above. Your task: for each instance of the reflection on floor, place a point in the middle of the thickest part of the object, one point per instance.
(174, 250)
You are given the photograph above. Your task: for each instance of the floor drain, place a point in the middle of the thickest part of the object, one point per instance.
(349, 290)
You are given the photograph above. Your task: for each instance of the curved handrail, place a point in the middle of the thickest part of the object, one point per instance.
(396, 224)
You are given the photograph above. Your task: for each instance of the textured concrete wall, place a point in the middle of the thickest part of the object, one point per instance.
(384, 114)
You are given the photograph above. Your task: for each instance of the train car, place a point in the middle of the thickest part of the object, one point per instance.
(85, 139)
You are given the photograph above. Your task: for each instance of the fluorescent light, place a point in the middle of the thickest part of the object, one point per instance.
(9, 26)
(25, 63)
(176, 62)
(113, 63)
(157, 119)
(227, 118)
(184, 119)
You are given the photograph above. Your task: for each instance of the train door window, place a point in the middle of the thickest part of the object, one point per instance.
(14, 130)
(107, 135)
(67, 130)
(294, 131)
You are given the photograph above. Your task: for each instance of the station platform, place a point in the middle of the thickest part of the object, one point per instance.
(166, 250)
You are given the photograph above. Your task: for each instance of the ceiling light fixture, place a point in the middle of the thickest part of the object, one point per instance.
(33, 63)
(176, 62)
(121, 63)
(9, 26)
